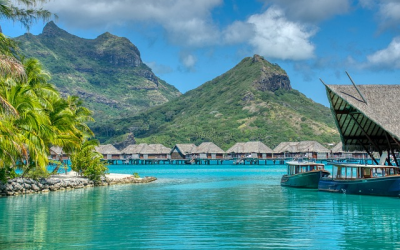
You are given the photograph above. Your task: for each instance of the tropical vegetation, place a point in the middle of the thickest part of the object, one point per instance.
(33, 114)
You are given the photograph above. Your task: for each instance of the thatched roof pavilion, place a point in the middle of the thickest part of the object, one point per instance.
(108, 150)
(56, 150)
(133, 149)
(283, 147)
(338, 148)
(301, 147)
(185, 149)
(156, 149)
(250, 147)
(209, 148)
(367, 116)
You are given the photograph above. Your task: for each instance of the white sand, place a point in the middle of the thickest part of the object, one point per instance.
(108, 176)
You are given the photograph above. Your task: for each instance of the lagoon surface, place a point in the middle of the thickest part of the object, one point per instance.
(199, 207)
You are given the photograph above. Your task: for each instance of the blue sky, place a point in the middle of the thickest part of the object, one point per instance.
(189, 42)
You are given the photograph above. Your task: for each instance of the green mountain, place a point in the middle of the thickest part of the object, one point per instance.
(252, 101)
(106, 72)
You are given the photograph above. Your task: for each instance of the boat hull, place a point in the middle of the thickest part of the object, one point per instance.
(382, 186)
(304, 180)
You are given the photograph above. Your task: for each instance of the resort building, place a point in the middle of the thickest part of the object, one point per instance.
(155, 151)
(309, 149)
(255, 150)
(109, 152)
(183, 151)
(368, 118)
(133, 151)
(57, 153)
(337, 152)
(208, 150)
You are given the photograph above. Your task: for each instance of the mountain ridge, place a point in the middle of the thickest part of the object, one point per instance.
(106, 72)
(252, 101)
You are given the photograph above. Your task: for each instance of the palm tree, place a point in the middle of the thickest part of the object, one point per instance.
(24, 13)
(87, 161)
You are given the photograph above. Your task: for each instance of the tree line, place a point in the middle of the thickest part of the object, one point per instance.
(33, 114)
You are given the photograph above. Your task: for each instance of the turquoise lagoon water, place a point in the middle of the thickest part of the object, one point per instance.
(206, 207)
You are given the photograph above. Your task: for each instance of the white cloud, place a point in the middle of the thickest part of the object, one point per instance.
(277, 37)
(188, 60)
(238, 32)
(311, 10)
(389, 13)
(186, 23)
(367, 3)
(190, 25)
(388, 58)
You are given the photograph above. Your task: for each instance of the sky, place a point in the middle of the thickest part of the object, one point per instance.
(190, 42)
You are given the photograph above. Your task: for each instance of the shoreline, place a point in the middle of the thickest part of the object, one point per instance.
(70, 181)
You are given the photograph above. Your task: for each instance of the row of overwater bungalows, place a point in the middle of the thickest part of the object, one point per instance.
(208, 150)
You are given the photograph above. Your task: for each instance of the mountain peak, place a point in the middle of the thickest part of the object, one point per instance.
(258, 58)
(51, 29)
(106, 35)
(272, 77)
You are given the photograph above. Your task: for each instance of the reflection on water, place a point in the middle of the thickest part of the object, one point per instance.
(224, 207)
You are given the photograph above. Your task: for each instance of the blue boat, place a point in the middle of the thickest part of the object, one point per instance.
(360, 179)
(303, 174)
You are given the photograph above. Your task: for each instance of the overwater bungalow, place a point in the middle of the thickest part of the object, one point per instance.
(367, 118)
(255, 150)
(337, 152)
(57, 153)
(155, 151)
(109, 152)
(307, 149)
(183, 151)
(208, 150)
(133, 151)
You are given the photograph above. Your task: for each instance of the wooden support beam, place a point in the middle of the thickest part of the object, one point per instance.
(391, 150)
(369, 153)
(366, 134)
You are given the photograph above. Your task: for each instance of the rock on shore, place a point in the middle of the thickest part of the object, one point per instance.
(20, 186)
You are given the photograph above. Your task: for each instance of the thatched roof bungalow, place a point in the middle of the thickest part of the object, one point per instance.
(155, 151)
(367, 116)
(109, 152)
(338, 152)
(183, 151)
(133, 151)
(208, 150)
(57, 153)
(254, 149)
(300, 149)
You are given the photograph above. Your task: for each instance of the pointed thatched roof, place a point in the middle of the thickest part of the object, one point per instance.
(56, 150)
(208, 148)
(133, 149)
(160, 149)
(290, 147)
(301, 147)
(185, 148)
(368, 116)
(250, 147)
(339, 149)
(107, 150)
(155, 149)
(237, 148)
(311, 146)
